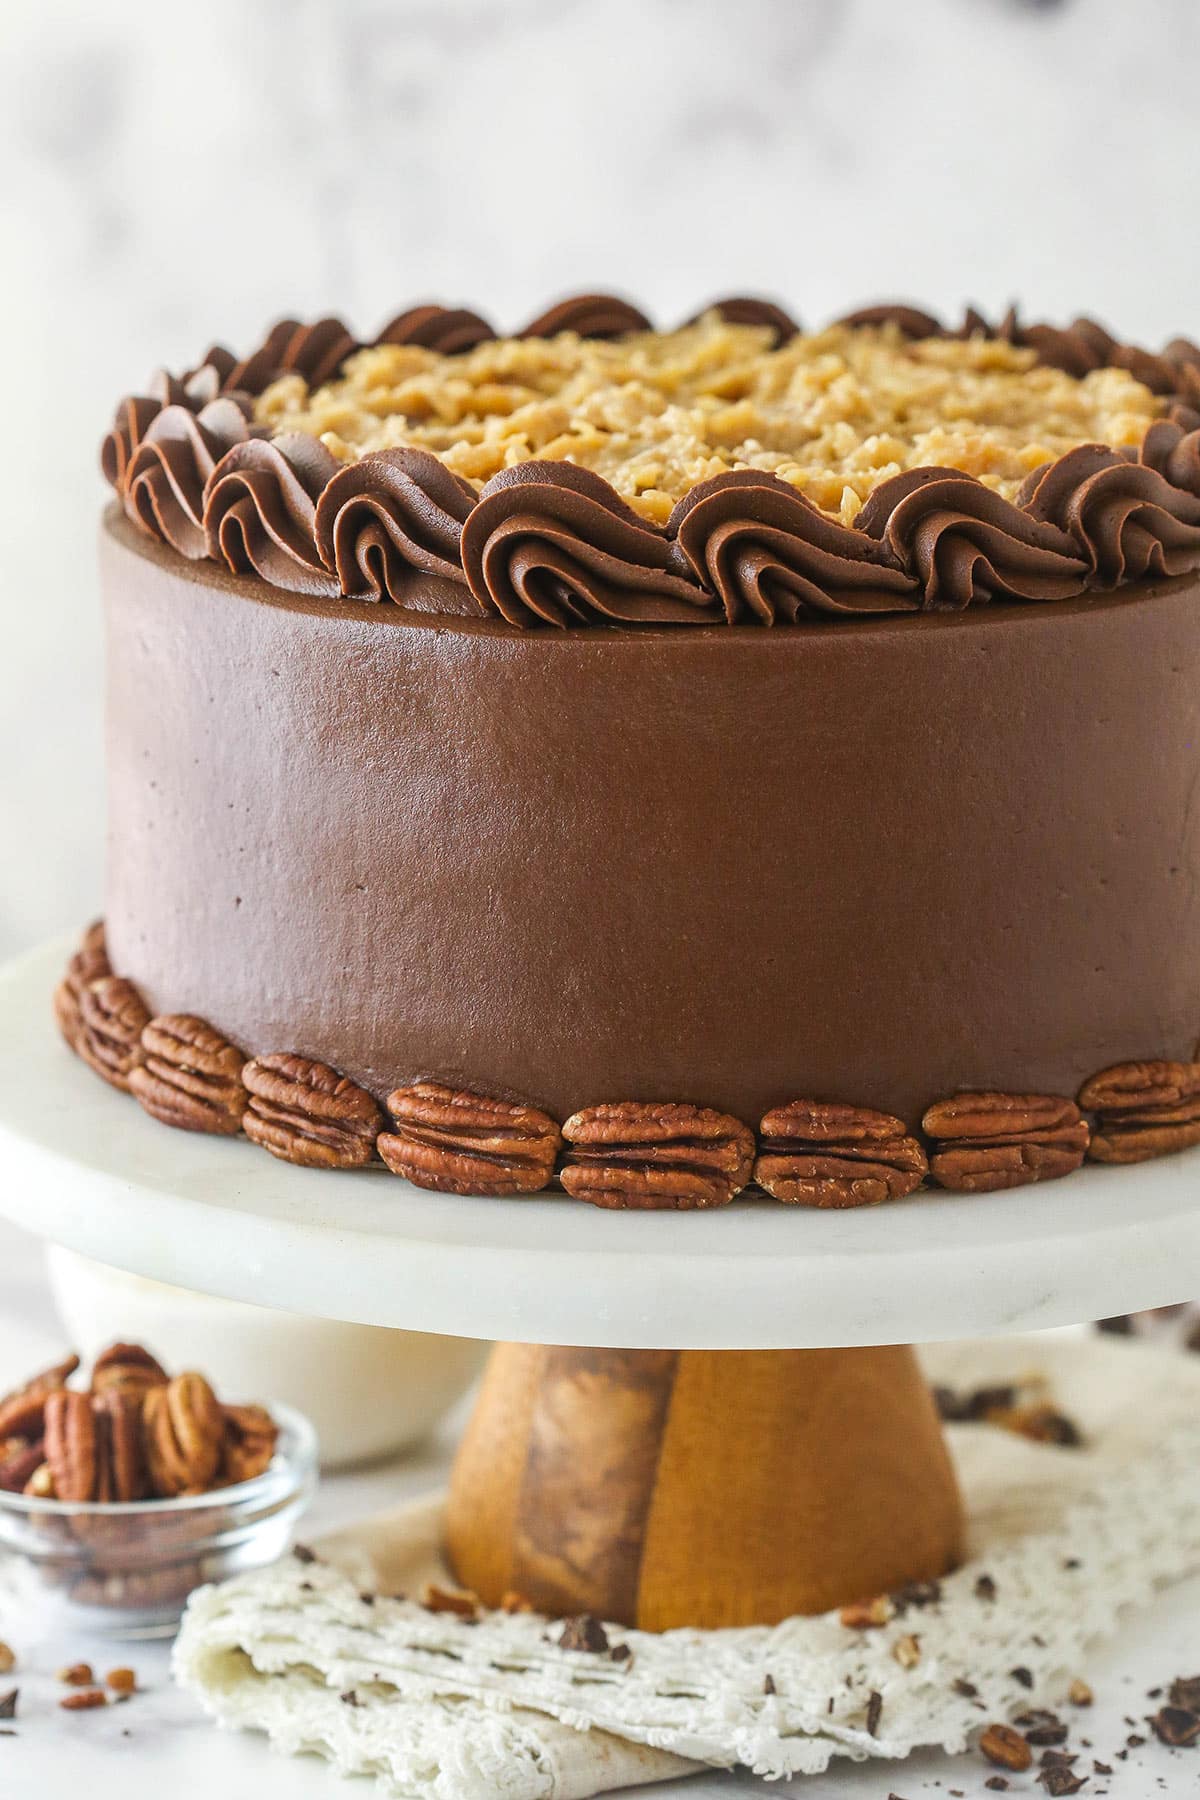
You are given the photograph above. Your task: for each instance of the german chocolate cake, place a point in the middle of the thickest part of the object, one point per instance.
(653, 764)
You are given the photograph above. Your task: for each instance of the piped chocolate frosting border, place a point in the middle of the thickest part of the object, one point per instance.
(623, 1155)
(549, 543)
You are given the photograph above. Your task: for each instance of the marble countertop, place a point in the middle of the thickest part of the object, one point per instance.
(160, 1743)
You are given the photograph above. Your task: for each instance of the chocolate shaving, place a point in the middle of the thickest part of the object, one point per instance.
(584, 1633)
(874, 1709)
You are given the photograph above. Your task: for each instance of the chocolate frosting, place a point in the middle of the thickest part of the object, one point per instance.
(448, 330)
(553, 544)
(260, 504)
(962, 543)
(591, 315)
(770, 554)
(390, 515)
(877, 863)
(165, 482)
(546, 543)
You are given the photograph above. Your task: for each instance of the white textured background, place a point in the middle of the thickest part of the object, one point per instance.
(170, 174)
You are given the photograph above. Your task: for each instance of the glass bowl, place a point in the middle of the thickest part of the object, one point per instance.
(126, 1568)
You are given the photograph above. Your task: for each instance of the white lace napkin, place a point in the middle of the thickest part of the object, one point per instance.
(442, 1709)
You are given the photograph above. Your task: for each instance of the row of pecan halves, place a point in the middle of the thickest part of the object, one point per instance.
(623, 1154)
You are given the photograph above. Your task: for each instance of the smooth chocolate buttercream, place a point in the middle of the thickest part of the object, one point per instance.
(879, 863)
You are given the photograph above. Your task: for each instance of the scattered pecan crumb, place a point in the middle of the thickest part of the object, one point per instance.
(1005, 1747)
(1183, 1691)
(874, 1709)
(1177, 1726)
(985, 1588)
(77, 1675)
(1023, 1675)
(514, 1602)
(1079, 1693)
(121, 1681)
(8, 1659)
(84, 1699)
(459, 1601)
(1042, 1727)
(8, 1703)
(583, 1633)
(865, 1615)
(907, 1651)
(1101, 1768)
(1058, 1780)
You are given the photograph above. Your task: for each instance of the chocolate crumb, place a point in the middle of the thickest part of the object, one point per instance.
(985, 1588)
(874, 1709)
(621, 1653)
(1042, 1727)
(997, 1783)
(303, 1554)
(916, 1593)
(769, 1685)
(1177, 1726)
(1135, 1740)
(350, 1698)
(367, 1599)
(1058, 1759)
(8, 1703)
(1072, 1562)
(583, 1633)
(1101, 1768)
(1023, 1675)
(966, 1688)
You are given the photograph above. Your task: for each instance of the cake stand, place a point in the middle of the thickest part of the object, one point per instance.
(650, 1443)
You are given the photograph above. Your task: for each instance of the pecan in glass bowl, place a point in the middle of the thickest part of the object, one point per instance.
(126, 1567)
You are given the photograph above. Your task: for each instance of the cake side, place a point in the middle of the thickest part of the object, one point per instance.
(877, 865)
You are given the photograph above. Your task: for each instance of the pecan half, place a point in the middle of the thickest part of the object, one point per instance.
(191, 1077)
(249, 1443)
(89, 963)
(127, 1367)
(816, 1153)
(1143, 1109)
(112, 1017)
(305, 1112)
(118, 1417)
(71, 1445)
(21, 1412)
(656, 1154)
(18, 1460)
(982, 1142)
(184, 1430)
(458, 1143)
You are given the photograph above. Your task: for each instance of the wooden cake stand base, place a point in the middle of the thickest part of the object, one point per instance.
(701, 1487)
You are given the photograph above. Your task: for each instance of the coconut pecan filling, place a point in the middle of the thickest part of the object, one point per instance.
(834, 413)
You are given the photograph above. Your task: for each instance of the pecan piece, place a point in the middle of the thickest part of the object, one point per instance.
(248, 1444)
(191, 1076)
(305, 1112)
(128, 1367)
(21, 1411)
(184, 1430)
(816, 1153)
(656, 1154)
(458, 1143)
(1006, 1748)
(1143, 1109)
(89, 963)
(982, 1142)
(118, 1416)
(112, 1017)
(71, 1445)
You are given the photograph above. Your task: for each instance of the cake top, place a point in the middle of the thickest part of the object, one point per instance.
(736, 469)
(833, 413)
